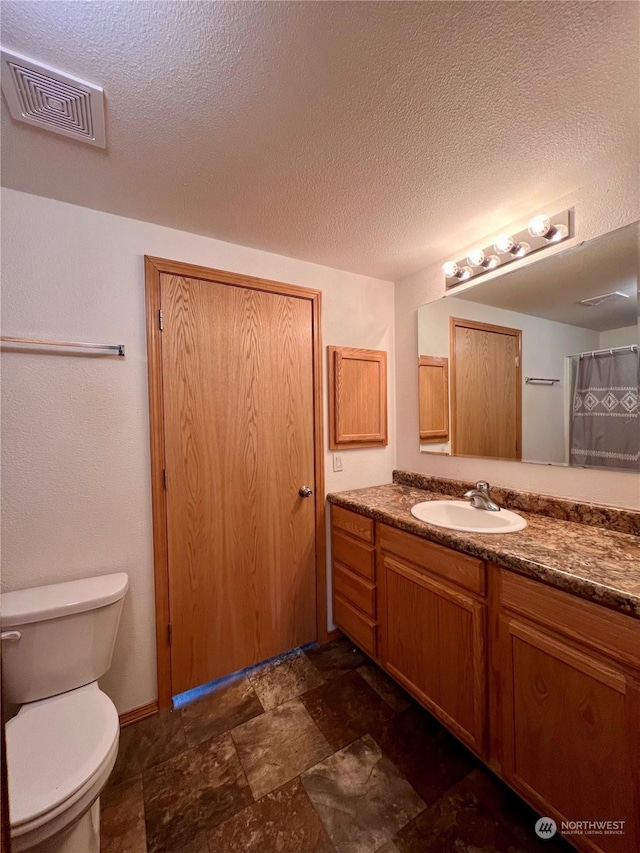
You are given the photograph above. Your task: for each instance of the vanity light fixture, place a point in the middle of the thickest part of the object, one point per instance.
(541, 232)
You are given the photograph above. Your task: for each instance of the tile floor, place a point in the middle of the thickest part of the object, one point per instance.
(315, 752)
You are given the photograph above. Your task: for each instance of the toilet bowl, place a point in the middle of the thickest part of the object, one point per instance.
(63, 742)
(60, 752)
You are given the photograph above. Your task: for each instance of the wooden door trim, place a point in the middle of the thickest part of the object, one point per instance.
(455, 322)
(154, 268)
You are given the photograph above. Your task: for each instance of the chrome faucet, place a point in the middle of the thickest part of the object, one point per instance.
(480, 497)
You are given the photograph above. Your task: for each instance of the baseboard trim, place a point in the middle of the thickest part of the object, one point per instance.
(333, 635)
(137, 714)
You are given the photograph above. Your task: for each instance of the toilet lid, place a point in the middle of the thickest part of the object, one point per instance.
(54, 747)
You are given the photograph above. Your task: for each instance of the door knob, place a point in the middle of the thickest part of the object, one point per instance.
(305, 492)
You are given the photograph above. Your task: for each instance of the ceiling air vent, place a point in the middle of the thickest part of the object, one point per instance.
(605, 297)
(53, 100)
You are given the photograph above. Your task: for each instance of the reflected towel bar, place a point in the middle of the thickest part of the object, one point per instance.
(116, 349)
(530, 379)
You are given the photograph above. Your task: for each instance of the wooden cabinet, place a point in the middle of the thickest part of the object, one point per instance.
(433, 631)
(357, 398)
(354, 578)
(542, 684)
(570, 710)
(433, 396)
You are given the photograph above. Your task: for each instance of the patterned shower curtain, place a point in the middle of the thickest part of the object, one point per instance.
(605, 428)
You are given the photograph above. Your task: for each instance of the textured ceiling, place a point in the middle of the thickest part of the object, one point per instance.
(358, 135)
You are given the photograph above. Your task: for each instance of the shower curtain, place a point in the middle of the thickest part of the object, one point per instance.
(605, 429)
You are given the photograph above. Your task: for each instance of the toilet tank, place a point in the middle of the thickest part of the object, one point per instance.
(58, 637)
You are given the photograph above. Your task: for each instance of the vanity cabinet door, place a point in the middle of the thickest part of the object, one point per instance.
(434, 645)
(570, 732)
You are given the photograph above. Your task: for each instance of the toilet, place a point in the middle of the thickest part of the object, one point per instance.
(57, 640)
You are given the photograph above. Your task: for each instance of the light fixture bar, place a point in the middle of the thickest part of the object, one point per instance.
(542, 231)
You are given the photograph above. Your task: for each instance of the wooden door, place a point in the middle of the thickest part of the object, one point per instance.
(570, 733)
(486, 390)
(434, 645)
(238, 378)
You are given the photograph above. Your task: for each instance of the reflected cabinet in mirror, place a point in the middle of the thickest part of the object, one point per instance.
(542, 361)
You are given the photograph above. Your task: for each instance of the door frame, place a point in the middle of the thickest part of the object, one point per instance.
(455, 322)
(154, 268)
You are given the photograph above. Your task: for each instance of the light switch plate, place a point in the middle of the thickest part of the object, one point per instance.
(337, 462)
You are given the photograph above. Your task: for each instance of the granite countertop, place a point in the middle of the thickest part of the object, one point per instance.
(591, 562)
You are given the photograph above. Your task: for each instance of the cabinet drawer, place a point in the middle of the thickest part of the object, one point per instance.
(592, 624)
(360, 628)
(352, 523)
(354, 589)
(467, 572)
(358, 558)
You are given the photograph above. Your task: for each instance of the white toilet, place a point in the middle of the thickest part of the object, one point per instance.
(57, 641)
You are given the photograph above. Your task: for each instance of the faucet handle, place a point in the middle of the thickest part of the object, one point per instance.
(482, 486)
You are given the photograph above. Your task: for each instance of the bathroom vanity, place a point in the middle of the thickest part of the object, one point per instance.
(526, 646)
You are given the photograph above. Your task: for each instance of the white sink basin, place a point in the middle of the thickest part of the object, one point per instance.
(460, 515)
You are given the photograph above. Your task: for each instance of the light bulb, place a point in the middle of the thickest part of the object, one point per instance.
(476, 258)
(452, 270)
(504, 244)
(558, 232)
(539, 226)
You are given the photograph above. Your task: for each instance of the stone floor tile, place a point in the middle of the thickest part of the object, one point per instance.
(192, 793)
(432, 759)
(361, 798)
(122, 828)
(512, 811)
(284, 678)
(223, 708)
(198, 845)
(278, 745)
(459, 822)
(283, 821)
(147, 743)
(346, 708)
(391, 692)
(336, 658)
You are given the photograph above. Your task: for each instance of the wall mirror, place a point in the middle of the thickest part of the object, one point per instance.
(539, 364)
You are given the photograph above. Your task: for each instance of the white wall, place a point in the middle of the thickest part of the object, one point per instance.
(545, 345)
(618, 337)
(602, 202)
(76, 497)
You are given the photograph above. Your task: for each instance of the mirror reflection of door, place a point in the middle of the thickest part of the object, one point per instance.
(486, 390)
